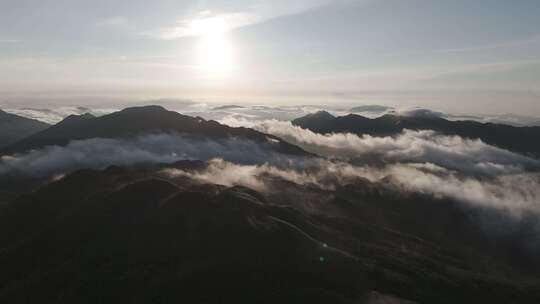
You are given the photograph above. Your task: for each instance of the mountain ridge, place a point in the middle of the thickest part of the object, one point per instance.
(14, 128)
(137, 121)
(522, 140)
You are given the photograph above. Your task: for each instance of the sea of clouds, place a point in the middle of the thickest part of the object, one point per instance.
(416, 161)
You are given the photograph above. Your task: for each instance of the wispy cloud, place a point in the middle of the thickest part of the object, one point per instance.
(156, 148)
(451, 152)
(56, 114)
(206, 21)
(515, 193)
(199, 23)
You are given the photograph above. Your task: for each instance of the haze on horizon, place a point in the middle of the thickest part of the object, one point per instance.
(459, 56)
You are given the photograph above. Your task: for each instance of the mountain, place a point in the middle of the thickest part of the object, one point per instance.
(76, 119)
(138, 121)
(518, 139)
(142, 236)
(14, 128)
(314, 121)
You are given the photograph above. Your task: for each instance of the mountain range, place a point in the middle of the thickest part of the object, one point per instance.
(524, 140)
(137, 121)
(215, 231)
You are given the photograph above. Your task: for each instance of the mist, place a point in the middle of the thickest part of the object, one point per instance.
(99, 153)
(516, 194)
(452, 152)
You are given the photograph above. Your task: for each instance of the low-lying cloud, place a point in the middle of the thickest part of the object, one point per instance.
(516, 194)
(157, 148)
(451, 152)
(453, 167)
(55, 115)
(414, 161)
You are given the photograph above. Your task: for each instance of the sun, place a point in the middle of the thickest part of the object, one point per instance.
(215, 50)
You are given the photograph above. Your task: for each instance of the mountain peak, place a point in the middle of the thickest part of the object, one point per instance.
(314, 121)
(321, 115)
(139, 121)
(423, 114)
(76, 118)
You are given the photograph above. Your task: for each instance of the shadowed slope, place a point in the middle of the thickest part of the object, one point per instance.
(136, 235)
(14, 128)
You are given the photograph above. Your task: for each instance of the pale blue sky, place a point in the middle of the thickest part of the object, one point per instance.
(459, 55)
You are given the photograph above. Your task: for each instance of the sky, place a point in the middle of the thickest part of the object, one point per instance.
(459, 56)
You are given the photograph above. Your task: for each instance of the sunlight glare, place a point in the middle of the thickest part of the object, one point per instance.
(215, 50)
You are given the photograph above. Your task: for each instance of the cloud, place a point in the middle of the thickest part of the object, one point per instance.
(515, 194)
(157, 148)
(506, 207)
(251, 115)
(371, 111)
(227, 173)
(55, 115)
(414, 161)
(207, 22)
(203, 21)
(451, 152)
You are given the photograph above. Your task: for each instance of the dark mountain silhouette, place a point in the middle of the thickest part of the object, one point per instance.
(14, 128)
(314, 121)
(140, 236)
(523, 140)
(138, 121)
(76, 119)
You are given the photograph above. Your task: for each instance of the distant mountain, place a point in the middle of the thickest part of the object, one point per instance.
(525, 140)
(139, 121)
(370, 108)
(14, 128)
(315, 121)
(227, 107)
(76, 119)
(140, 236)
